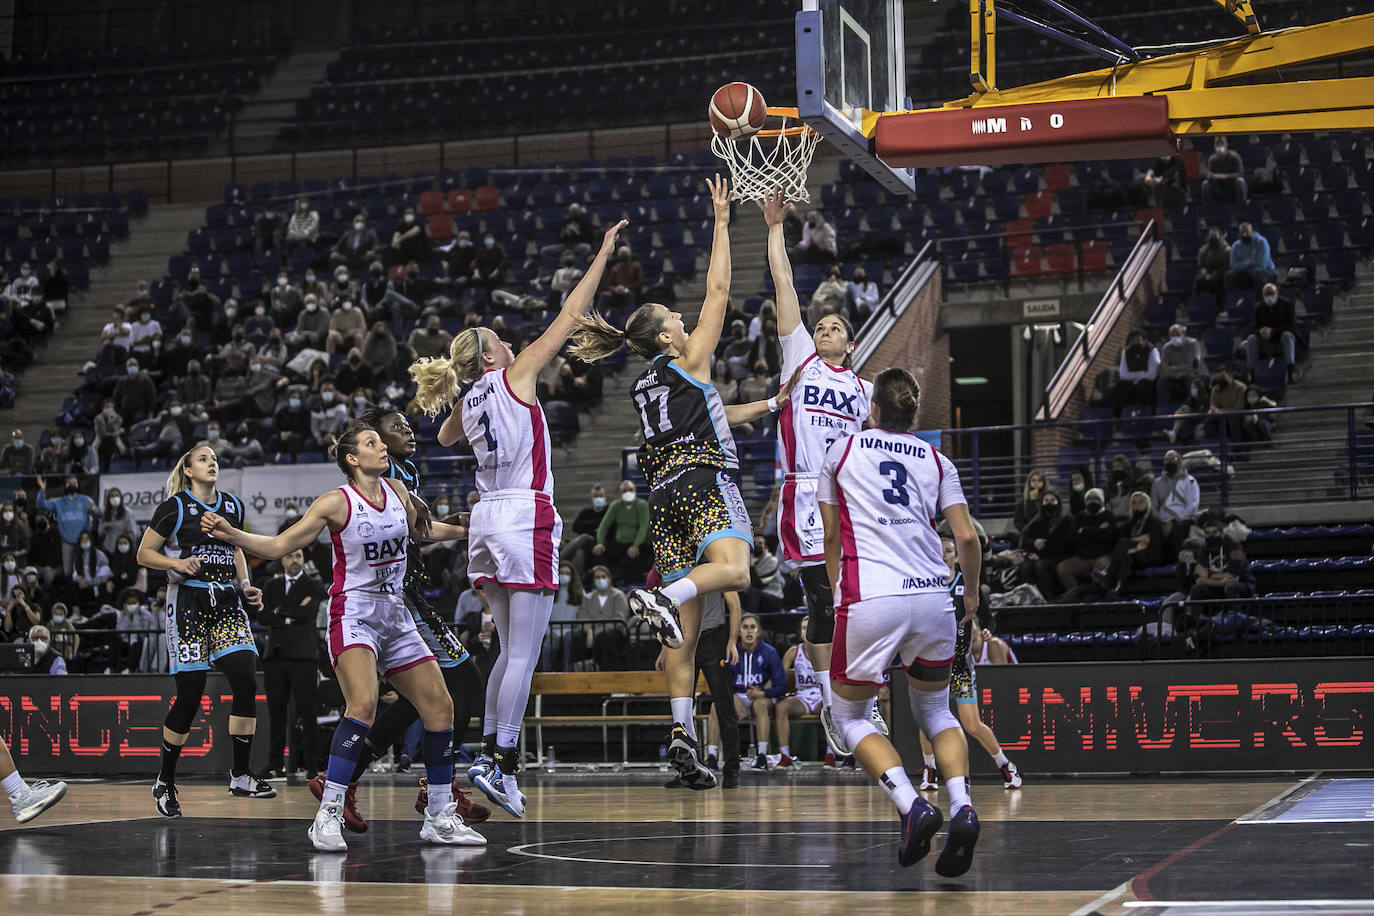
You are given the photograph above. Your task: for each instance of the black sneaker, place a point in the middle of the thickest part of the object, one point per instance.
(660, 613)
(761, 762)
(957, 855)
(729, 779)
(712, 762)
(165, 796)
(675, 783)
(682, 754)
(918, 827)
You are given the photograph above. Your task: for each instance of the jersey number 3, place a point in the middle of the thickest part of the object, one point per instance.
(897, 493)
(658, 395)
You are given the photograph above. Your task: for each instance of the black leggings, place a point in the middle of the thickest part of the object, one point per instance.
(240, 668)
(464, 684)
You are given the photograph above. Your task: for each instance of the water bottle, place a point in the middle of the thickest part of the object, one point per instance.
(549, 756)
(663, 755)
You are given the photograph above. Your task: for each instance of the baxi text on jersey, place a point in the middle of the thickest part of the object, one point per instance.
(919, 582)
(816, 396)
(384, 550)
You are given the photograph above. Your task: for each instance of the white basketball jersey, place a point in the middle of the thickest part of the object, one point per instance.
(808, 688)
(509, 437)
(370, 549)
(828, 403)
(890, 489)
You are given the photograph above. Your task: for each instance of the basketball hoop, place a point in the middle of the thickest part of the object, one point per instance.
(770, 158)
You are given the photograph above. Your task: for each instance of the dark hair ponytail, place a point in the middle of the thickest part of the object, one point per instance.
(898, 397)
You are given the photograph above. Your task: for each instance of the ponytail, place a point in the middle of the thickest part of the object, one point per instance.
(438, 379)
(177, 479)
(594, 338)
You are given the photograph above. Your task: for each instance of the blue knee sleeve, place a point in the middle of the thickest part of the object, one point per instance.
(437, 748)
(345, 750)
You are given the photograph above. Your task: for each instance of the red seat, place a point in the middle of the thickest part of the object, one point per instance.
(1143, 217)
(1063, 258)
(1025, 262)
(459, 200)
(1019, 233)
(1192, 163)
(487, 197)
(441, 226)
(1039, 204)
(1095, 255)
(431, 202)
(1057, 176)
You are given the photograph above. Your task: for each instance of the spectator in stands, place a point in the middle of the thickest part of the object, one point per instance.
(303, 228)
(1225, 181)
(1045, 543)
(312, 325)
(767, 309)
(1257, 427)
(1123, 481)
(575, 234)
(622, 284)
(1105, 193)
(1139, 368)
(621, 537)
(89, 571)
(347, 327)
(583, 531)
(75, 513)
(53, 458)
(291, 427)
(431, 340)
(46, 657)
(1274, 333)
(243, 448)
(109, 435)
(415, 292)
(1213, 261)
(1180, 366)
(218, 444)
(125, 573)
(328, 415)
(195, 388)
(767, 348)
(489, 264)
(818, 243)
(1252, 266)
(142, 332)
(381, 300)
(1176, 497)
(268, 230)
(274, 352)
(45, 552)
(1031, 502)
(318, 285)
(231, 391)
(175, 429)
(19, 458)
(725, 385)
(356, 247)
(133, 625)
(1092, 538)
(607, 643)
(344, 288)
(410, 241)
(115, 339)
(1142, 545)
(115, 521)
(135, 395)
(225, 322)
(285, 301)
(760, 384)
(1222, 570)
(735, 350)
(183, 349)
(1165, 183)
(564, 279)
(56, 287)
(828, 299)
(504, 332)
(258, 326)
(14, 540)
(260, 389)
(197, 300)
(379, 349)
(861, 297)
(1190, 414)
(354, 376)
(156, 362)
(1228, 393)
(316, 376)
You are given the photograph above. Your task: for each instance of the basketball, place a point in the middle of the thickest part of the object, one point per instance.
(737, 111)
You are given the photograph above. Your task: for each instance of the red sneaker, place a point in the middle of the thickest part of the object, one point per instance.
(829, 762)
(785, 762)
(470, 811)
(352, 819)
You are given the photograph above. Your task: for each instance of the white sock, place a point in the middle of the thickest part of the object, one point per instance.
(712, 750)
(957, 787)
(763, 748)
(438, 797)
(682, 714)
(898, 787)
(14, 784)
(929, 760)
(683, 589)
(785, 751)
(1000, 758)
(823, 678)
(333, 792)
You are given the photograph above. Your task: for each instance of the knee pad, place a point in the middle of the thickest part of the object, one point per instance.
(820, 610)
(852, 719)
(925, 672)
(186, 704)
(930, 708)
(239, 670)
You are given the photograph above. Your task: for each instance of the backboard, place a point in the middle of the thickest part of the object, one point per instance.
(851, 64)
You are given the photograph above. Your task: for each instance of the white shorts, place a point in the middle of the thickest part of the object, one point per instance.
(812, 700)
(800, 529)
(513, 540)
(380, 623)
(920, 627)
(747, 713)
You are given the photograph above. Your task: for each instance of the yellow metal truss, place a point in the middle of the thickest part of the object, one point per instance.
(1201, 85)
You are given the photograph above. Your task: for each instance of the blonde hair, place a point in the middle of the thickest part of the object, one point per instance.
(1044, 483)
(595, 338)
(177, 479)
(438, 379)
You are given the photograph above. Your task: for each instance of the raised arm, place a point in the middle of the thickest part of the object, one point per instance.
(329, 509)
(789, 307)
(701, 343)
(969, 549)
(537, 355)
(451, 432)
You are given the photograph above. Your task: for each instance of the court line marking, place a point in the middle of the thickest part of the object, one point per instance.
(1253, 817)
(523, 849)
(1118, 891)
(1364, 905)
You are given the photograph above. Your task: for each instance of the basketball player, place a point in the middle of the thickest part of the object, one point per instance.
(806, 699)
(880, 493)
(27, 799)
(688, 456)
(370, 519)
(515, 530)
(831, 403)
(204, 619)
(461, 675)
(963, 684)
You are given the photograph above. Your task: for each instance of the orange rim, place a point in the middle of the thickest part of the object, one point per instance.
(784, 113)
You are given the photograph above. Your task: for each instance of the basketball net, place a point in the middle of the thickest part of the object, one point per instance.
(770, 159)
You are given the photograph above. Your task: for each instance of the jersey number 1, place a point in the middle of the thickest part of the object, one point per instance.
(659, 395)
(485, 422)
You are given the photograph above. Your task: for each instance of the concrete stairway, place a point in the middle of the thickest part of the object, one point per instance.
(262, 116)
(55, 374)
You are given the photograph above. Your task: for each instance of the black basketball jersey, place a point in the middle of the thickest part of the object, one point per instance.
(683, 422)
(177, 519)
(405, 471)
(409, 475)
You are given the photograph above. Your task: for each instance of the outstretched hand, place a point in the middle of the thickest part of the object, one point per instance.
(608, 240)
(720, 197)
(213, 524)
(774, 207)
(785, 391)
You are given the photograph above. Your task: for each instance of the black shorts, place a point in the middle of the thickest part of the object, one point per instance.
(688, 511)
(203, 624)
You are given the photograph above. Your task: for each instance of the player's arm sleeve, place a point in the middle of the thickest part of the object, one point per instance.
(777, 677)
(827, 491)
(165, 517)
(797, 347)
(951, 490)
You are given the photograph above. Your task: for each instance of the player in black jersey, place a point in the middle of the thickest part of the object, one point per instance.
(207, 581)
(461, 675)
(701, 532)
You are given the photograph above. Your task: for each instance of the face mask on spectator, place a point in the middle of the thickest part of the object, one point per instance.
(1270, 298)
(9, 564)
(131, 608)
(79, 441)
(1171, 467)
(311, 306)
(627, 497)
(410, 218)
(185, 340)
(192, 284)
(212, 434)
(70, 489)
(377, 272)
(598, 502)
(358, 225)
(122, 548)
(40, 645)
(175, 411)
(347, 306)
(1051, 508)
(292, 513)
(18, 443)
(24, 271)
(564, 579)
(260, 311)
(489, 242)
(230, 311)
(116, 501)
(464, 243)
(602, 583)
(58, 617)
(145, 317)
(295, 403)
(359, 400)
(131, 370)
(281, 281)
(85, 545)
(310, 277)
(327, 397)
(412, 273)
(441, 509)
(255, 367)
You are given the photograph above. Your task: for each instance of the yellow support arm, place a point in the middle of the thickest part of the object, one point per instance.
(1242, 11)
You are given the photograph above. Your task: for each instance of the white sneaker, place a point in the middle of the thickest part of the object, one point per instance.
(876, 717)
(326, 833)
(514, 797)
(661, 614)
(250, 786)
(832, 734)
(37, 798)
(447, 829)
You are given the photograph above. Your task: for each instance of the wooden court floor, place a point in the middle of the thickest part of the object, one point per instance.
(821, 842)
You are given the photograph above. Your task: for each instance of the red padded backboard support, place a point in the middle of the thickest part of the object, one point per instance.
(1109, 128)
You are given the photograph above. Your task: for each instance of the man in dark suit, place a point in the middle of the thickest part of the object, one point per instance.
(289, 607)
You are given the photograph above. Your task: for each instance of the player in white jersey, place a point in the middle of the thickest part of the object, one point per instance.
(805, 700)
(513, 546)
(370, 520)
(881, 491)
(828, 402)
